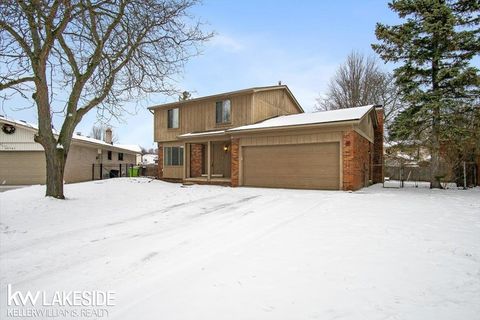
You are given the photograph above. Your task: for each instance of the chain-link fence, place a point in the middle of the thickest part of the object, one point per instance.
(463, 175)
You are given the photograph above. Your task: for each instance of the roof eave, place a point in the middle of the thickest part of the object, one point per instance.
(298, 126)
(243, 91)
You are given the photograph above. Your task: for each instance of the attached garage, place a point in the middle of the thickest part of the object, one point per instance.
(22, 167)
(305, 166)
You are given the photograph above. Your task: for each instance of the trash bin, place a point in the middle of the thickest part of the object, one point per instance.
(114, 173)
(133, 171)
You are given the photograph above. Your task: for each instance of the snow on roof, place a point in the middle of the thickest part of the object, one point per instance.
(310, 118)
(129, 147)
(204, 133)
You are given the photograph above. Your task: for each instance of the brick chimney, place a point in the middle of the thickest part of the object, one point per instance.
(378, 147)
(108, 136)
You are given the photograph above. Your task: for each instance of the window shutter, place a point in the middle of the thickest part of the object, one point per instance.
(219, 110)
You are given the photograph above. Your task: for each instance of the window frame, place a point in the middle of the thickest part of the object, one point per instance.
(171, 123)
(221, 113)
(109, 154)
(120, 156)
(168, 156)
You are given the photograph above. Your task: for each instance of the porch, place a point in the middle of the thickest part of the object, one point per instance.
(208, 162)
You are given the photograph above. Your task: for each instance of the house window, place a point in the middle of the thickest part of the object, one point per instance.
(223, 111)
(173, 118)
(120, 156)
(173, 156)
(109, 155)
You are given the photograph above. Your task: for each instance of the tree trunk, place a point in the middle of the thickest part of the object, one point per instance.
(435, 172)
(55, 159)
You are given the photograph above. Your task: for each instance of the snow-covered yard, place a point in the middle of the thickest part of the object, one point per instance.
(207, 252)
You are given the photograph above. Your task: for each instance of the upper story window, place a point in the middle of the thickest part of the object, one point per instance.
(120, 156)
(109, 155)
(172, 118)
(223, 111)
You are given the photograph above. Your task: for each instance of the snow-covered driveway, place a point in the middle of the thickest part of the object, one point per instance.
(207, 252)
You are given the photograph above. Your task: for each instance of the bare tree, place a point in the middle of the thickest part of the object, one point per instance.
(70, 57)
(97, 132)
(355, 84)
(360, 81)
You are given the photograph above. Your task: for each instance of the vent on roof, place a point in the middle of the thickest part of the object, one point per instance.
(23, 121)
(79, 133)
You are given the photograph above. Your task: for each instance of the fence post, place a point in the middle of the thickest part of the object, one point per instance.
(464, 175)
(101, 171)
(120, 171)
(93, 171)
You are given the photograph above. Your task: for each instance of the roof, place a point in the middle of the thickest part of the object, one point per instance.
(243, 91)
(76, 137)
(203, 133)
(349, 114)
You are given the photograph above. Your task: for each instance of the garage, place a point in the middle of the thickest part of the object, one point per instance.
(305, 166)
(22, 167)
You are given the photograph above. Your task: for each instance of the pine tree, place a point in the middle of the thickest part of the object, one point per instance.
(433, 49)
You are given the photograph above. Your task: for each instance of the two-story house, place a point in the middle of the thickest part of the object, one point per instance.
(262, 137)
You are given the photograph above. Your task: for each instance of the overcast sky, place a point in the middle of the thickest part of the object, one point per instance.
(258, 43)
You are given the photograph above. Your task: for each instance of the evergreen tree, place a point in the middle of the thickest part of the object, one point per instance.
(434, 48)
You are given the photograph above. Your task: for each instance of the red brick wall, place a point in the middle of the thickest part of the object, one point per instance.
(160, 161)
(357, 161)
(235, 157)
(196, 159)
(378, 148)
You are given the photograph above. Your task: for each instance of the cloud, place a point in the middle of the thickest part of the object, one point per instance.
(227, 43)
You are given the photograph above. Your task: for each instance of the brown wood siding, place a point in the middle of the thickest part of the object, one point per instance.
(272, 103)
(22, 167)
(306, 166)
(173, 172)
(200, 116)
(221, 159)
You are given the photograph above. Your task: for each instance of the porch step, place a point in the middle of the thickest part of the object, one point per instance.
(213, 175)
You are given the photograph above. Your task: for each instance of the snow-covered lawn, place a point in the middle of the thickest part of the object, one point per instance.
(208, 252)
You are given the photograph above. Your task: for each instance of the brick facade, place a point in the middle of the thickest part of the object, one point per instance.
(378, 148)
(196, 159)
(160, 161)
(235, 162)
(357, 161)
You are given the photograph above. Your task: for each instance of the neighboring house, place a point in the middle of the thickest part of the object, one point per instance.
(149, 159)
(22, 160)
(262, 137)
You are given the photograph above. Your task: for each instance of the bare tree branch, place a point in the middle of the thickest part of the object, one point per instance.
(86, 55)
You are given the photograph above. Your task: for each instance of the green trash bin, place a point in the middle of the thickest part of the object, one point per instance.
(133, 171)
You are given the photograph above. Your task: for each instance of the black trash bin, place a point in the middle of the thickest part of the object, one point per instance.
(114, 173)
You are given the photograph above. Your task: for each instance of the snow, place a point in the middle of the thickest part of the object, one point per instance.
(203, 133)
(135, 148)
(310, 118)
(209, 252)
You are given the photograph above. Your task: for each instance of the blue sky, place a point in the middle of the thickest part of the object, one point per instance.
(258, 43)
